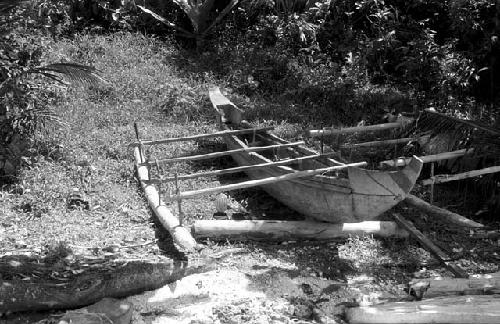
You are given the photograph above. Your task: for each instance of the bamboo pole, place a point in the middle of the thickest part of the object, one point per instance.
(202, 136)
(292, 230)
(380, 143)
(441, 213)
(348, 130)
(442, 178)
(180, 234)
(240, 169)
(260, 182)
(225, 153)
(428, 158)
(449, 310)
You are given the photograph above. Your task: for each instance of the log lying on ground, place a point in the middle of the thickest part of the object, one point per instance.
(129, 279)
(456, 310)
(485, 284)
(443, 214)
(291, 230)
(430, 246)
(180, 234)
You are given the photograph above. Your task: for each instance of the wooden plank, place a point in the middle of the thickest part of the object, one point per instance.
(441, 213)
(348, 130)
(292, 230)
(181, 236)
(442, 178)
(260, 182)
(428, 158)
(241, 169)
(380, 143)
(450, 310)
(483, 284)
(203, 136)
(219, 154)
(430, 246)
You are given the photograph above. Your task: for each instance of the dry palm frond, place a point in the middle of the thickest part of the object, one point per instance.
(6, 5)
(77, 73)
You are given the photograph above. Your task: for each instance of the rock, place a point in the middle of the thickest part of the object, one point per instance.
(120, 312)
(106, 311)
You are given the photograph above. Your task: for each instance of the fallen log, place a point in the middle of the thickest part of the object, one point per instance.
(430, 246)
(441, 213)
(128, 279)
(485, 284)
(291, 230)
(451, 310)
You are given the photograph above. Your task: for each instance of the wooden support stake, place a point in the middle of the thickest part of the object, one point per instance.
(442, 178)
(260, 182)
(441, 213)
(432, 184)
(225, 153)
(430, 246)
(291, 230)
(203, 136)
(179, 202)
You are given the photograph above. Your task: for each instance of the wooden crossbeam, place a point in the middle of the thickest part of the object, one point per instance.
(428, 158)
(380, 143)
(202, 136)
(359, 129)
(260, 182)
(240, 169)
(219, 154)
(442, 178)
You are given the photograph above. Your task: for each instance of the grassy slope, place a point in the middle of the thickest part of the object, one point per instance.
(144, 86)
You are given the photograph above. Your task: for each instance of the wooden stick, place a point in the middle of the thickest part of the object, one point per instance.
(380, 143)
(430, 246)
(428, 158)
(442, 178)
(225, 153)
(450, 310)
(242, 168)
(260, 182)
(201, 136)
(370, 128)
(484, 284)
(180, 234)
(291, 230)
(441, 213)
(432, 184)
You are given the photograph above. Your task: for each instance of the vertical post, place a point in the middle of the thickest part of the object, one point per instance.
(432, 184)
(253, 136)
(160, 184)
(322, 140)
(179, 201)
(138, 137)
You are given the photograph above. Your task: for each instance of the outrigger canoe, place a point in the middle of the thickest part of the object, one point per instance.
(359, 195)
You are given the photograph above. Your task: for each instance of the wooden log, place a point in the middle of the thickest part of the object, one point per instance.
(442, 178)
(450, 310)
(181, 236)
(430, 246)
(379, 143)
(427, 158)
(291, 230)
(441, 213)
(348, 130)
(484, 284)
(125, 280)
(260, 182)
(203, 136)
(219, 154)
(241, 169)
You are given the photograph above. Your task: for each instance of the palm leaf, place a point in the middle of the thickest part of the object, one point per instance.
(164, 21)
(77, 73)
